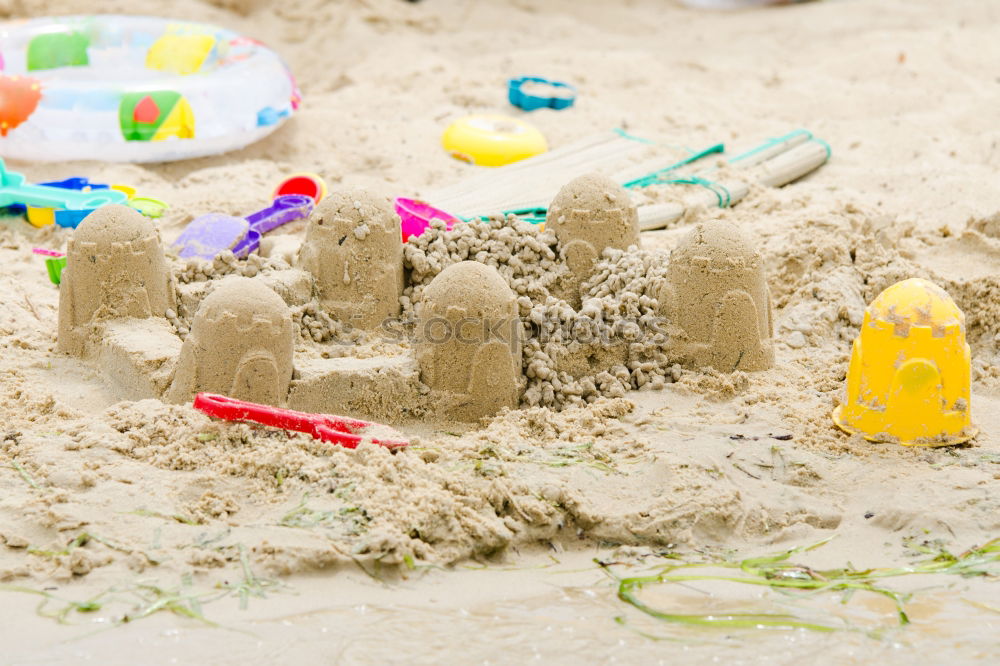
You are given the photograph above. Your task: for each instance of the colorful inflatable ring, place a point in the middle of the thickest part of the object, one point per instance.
(492, 140)
(135, 89)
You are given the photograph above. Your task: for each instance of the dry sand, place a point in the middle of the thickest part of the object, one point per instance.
(104, 497)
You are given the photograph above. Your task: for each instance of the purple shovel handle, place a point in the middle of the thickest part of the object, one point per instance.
(286, 208)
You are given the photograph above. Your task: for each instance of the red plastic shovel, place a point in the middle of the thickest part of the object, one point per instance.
(335, 429)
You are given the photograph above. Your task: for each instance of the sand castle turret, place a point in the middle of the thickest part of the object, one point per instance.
(354, 250)
(115, 269)
(589, 214)
(469, 342)
(717, 301)
(240, 345)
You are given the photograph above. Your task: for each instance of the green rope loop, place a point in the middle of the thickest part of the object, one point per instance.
(721, 192)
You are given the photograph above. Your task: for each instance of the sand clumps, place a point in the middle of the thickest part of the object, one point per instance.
(624, 334)
(240, 345)
(588, 215)
(115, 269)
(469, 342)
(717, 302)
(354, 250)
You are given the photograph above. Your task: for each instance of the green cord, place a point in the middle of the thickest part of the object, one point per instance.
(721, 192)
(773, 142)
(657, 177)
(631, 137)
(532, 215)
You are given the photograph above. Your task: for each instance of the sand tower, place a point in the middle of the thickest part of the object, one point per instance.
(589, 214)
(469, 342)
(240, 345)
(115, 269)
(354, 250)
(717, 302)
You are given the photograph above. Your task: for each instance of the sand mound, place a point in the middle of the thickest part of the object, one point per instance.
(115, 269)
(717, 302)
(240, 345)
(469, 342)
(354, 251)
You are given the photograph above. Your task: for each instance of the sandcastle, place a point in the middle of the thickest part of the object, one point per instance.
(354, 250)
(115, 269)
(240, 345)
(717, 302)
(488, 333)
(589, 214)
(469, 342)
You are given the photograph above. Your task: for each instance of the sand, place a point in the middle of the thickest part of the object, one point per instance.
(241, 345)
(115, 269)
(468, 343)
(590, 214)
(716, 295)
(354, 251)
(103, 496)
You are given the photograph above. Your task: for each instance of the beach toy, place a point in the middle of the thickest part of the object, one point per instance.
(135, 89)
(305, 183)
(354, 250)
(241, 343)
(148, 206)
(13, 190)
(39, 217)
(492, 140)
(416, 216)
(339, 430)
(909, 376)
(208, 235)
(55, 262)
(533, 92)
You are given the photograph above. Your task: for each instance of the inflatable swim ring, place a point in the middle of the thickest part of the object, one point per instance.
(135, 89)
(492, 140)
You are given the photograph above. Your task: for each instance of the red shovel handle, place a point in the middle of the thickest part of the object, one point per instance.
(231, 409)
(335, 429)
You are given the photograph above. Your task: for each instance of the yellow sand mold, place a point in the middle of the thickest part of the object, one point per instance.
(910, 370)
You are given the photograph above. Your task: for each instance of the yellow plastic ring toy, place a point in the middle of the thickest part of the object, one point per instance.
(492, 140)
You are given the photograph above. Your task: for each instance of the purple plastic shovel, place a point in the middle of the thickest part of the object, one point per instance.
(208, 235)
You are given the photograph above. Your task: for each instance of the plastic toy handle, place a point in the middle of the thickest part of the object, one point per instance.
(231, 409)
(14, 191)
(334, 429)
(284, 209)
(75, 184)
(57, 197)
